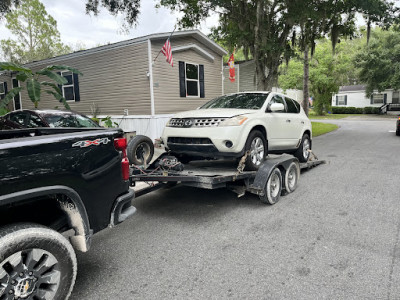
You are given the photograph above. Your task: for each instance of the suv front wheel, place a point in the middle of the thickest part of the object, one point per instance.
(256, 144)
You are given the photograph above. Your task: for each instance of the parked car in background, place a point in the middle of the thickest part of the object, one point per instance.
(44, 118)
(231, 125)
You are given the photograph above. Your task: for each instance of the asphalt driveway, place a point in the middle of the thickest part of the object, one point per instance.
(335, 237)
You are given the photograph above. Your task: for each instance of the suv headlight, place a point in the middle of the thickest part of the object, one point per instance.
(234, 121)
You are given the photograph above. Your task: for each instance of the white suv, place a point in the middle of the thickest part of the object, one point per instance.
(230, 125)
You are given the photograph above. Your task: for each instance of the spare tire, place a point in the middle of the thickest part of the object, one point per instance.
(140, 150)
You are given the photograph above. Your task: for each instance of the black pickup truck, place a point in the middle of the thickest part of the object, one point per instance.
(58, 186)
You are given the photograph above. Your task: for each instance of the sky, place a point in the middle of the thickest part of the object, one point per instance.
(75, 26)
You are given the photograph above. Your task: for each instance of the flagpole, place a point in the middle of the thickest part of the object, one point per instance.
(161, 48)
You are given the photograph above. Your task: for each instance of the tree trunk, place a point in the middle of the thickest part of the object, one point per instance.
(305, 80)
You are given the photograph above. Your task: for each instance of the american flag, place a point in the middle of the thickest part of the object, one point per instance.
(166, 50)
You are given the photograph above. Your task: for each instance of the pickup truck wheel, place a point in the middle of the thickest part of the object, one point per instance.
(291, 177)
(140, 150)
(35, 263)
(302, 153)
(273, 188)
(257, 145)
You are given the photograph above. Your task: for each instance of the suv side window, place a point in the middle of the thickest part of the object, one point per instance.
(291, 106)
(18, 118)
(35, 121)
(276, 99)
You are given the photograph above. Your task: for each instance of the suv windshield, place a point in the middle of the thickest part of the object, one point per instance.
(69, 120)
(242, 101)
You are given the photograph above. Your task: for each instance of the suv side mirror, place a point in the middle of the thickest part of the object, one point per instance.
(276, 107)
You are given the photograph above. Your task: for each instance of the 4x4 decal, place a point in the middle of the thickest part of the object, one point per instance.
(97, 142)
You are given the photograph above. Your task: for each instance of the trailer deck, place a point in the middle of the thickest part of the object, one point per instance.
(223, 174)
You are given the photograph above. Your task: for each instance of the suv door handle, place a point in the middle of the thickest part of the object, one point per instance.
(288, 121)
(302, 122)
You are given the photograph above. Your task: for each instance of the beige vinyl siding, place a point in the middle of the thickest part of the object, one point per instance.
(229, 86)
(247, 77)
(113, 79)
(166, 78)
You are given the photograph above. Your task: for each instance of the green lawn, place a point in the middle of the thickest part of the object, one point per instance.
(322, 128)
(331, 116)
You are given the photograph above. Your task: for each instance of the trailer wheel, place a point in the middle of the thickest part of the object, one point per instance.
(292, 176)
(35, 263)
(140, 150)
(273, 188)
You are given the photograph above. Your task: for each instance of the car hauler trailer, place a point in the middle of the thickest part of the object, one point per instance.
(275, 177)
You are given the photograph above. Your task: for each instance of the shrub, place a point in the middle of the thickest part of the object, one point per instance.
(355, 110)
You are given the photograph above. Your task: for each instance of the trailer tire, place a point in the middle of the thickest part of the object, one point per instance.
(302, 152)
(273, 188)
(140, 150)
(33, 257)
(292, 175)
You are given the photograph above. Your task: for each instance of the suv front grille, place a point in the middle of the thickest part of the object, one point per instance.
(207, 122)
(189, 141)
(200, 122)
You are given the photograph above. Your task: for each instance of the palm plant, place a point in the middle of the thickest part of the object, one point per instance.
(34, 86)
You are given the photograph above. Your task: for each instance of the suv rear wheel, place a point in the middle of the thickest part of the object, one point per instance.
(257, 145)
(302, 152)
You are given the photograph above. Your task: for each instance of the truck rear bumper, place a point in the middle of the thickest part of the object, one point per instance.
(122, 208)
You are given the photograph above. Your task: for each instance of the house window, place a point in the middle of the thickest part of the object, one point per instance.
(68, 88)
(191, 80)
(396, 97)
(342, 100)
(2, 90)
(377, 98)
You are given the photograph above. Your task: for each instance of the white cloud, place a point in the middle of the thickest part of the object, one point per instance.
(75, 26)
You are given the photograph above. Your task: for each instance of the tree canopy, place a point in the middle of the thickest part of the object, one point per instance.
(327, 72)
(35, 34)
(379, 63)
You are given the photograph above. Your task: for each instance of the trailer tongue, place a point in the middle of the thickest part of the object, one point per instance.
(276, 176)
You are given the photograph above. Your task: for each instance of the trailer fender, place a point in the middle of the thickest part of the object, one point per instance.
(264, 172)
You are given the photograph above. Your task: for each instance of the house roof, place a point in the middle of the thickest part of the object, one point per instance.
(198, 35)
(352, 88)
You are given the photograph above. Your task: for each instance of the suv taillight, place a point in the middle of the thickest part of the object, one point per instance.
(120, 145)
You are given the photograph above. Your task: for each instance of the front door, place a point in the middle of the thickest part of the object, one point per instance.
(17, 98)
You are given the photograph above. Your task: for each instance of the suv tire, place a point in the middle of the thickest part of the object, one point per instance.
(257, 145)
(302, 153)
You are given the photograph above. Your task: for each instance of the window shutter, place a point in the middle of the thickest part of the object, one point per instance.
(76, 88)
(345, 100)
(201, 80)
(337, 100)
(60, 86)
(372, 99)
(384, 98)
(182, 85)
(5, 88)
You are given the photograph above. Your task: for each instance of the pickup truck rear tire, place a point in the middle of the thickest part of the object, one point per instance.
(140, 150)
(36, 263)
